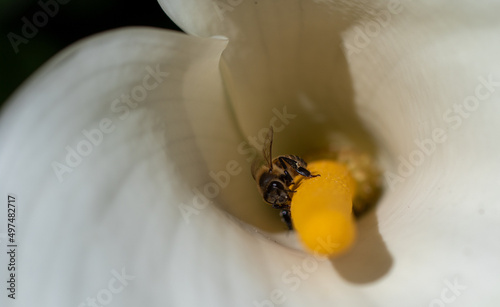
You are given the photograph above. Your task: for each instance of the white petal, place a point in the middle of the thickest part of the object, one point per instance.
(118, 208)
(116, 213)
(409, 79)
(244, 263)
(409, 72)
(282, 56)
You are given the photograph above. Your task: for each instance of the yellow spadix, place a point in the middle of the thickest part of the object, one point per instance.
(322, 208)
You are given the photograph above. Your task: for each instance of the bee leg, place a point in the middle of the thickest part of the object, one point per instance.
(306, 173)
(284, 206)
(286, 217)
(276, 206)
(299, 169)
(287, 177)
(295, 186)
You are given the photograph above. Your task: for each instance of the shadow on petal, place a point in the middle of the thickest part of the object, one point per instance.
(369, 259)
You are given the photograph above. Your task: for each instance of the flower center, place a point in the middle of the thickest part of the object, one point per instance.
(322, 207)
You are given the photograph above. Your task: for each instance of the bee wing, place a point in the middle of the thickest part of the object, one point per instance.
(257, 164)
(267, 148)
(266, 158)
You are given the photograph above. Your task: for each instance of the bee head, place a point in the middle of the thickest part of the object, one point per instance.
(276, 194)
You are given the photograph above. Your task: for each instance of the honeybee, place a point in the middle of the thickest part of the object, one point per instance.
(275, 176)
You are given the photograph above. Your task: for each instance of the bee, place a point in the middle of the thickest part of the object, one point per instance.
(274, 178)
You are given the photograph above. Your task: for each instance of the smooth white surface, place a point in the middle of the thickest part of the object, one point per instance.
(119, 207)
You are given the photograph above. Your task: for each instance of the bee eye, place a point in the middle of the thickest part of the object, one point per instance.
(277, 185)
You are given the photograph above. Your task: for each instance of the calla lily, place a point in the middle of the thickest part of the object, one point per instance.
(128, 157)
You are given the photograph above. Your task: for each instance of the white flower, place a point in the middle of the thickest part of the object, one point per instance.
(105, 145)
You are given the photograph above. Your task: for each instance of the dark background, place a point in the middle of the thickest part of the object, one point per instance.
(75, 20)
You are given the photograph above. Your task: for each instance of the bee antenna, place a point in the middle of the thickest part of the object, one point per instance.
(268, 148)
